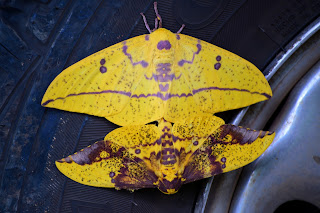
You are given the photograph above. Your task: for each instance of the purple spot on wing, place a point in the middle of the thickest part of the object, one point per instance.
(195, 143)
(183, 61)
(146, 37)
(223, 166)
(103, 61)
(113, 180)
(124, 50)
(103, 69)
(164, 45)
(218, 58)
(217, 66)
(164, 88)
(223, 159)
(137, 151)
(111, 174)
(178, 37)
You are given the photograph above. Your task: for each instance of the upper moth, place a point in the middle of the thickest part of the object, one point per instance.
(158, 75)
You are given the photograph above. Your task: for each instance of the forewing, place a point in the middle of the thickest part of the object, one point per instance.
(193, 132)
(217, 80)
(103, 83)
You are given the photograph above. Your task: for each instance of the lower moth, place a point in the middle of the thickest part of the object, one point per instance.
(165, 156)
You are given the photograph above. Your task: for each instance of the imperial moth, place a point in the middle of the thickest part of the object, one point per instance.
(157, 75)
(165, 156)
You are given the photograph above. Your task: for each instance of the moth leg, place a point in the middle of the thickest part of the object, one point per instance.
(145, 22)
(181, 28)
(155, 24)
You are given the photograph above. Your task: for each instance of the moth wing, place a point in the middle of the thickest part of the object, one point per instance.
(195, 131)
(200, 126)
(103, 83)
(114, 164)
(142, 139)
(228, 148)
(213, 79)
(239, 146)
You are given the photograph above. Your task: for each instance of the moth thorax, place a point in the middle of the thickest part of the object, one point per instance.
(163, 57)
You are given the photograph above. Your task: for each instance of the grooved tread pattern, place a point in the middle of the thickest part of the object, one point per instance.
(38, 39)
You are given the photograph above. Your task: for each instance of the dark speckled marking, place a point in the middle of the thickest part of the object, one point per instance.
(142, 178)
(192, 172)
(164, 45)
(89, 154)
(239, 135)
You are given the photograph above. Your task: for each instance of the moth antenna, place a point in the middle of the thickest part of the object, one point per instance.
(157, 14)
(181, 28)
(155, 24)
(145, 22)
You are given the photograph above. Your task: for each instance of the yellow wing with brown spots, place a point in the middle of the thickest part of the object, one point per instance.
(213, 79)
(228, 148)
(161, 75)
(120, 161)
(103, 84)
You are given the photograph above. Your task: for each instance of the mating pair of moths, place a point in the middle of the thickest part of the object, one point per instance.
(169, 78)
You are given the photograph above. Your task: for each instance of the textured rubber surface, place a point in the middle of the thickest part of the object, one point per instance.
(38, 39)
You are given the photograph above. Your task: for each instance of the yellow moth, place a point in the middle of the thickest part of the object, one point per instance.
(158, 75)
(165, 156)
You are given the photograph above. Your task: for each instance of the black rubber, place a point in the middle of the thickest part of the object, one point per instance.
(38, 39)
